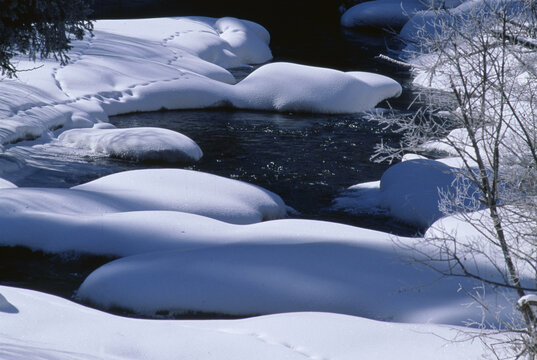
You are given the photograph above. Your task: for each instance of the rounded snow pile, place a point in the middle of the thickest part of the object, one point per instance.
(142, 143)
(189, 191)
(357, 277)
(411, 190)
(293, 87)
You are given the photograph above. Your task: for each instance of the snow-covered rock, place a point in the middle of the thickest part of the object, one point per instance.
(409, 191)
(353, 277)
(153, 189)
(141, 143)
(189, 191)
(293, 87)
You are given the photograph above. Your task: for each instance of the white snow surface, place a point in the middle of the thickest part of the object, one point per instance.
(476, 238)
(453, 11)
(142, 143)
(409, 191)
(4, 184)
(39, 326)
(282, 266)
(343, 274)
(152, 189)
(292, 87)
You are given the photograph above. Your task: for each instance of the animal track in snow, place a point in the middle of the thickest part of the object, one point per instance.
(72, 60)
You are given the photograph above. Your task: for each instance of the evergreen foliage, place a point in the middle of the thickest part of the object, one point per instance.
(40, 28)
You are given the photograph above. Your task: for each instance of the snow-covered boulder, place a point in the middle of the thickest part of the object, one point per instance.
(141, 144)
(363, 275)
(189, 191)
(410, 192)
(152, 189)
(293, 87)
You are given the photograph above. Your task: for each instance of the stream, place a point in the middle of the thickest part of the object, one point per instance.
(307, 159)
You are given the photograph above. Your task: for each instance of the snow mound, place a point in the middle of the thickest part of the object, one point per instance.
(410, 192)
(189, 191)
(153, 189)
(293, 87)
(84, 334)
(251, 279)
(115, 234)
(472, 235)
(142, 143)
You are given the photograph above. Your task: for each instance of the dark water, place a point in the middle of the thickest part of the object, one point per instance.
(307, 159)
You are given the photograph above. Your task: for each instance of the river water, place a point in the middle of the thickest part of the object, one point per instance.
(307, 159)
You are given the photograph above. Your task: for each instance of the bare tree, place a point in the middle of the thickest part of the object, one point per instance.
(484, 54)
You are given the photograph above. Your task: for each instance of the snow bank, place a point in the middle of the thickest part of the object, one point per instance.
(154, 189)
(142, 143)
(453, 13)
(35, 332)
(341, 275)
(189, 191)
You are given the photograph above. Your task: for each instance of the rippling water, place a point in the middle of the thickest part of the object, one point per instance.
(306, 159)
